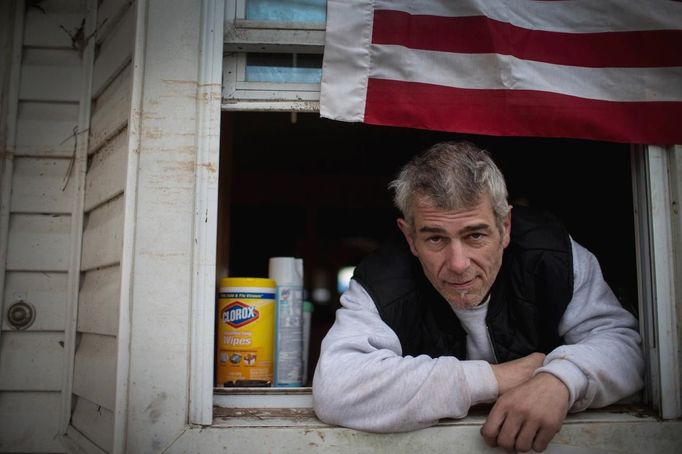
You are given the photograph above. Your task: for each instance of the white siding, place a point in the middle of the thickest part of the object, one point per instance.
(50, 75)
(45, 291)
(50, 30)
(109, 14)
(115, 52)
(41, 125)
(40, 185)
(94, 422)
(38, 242)
(95, 373)
(31, 361)
(98, 302)
(111, 111)
(46, 129)
(106, 176)
(95, 364)
(29, 422)
(103, 235)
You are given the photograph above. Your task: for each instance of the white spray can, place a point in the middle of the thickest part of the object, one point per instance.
(307, 322)
(288, 274)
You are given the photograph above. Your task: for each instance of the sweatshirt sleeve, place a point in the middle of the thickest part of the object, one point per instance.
(362, 381)
(601, 361)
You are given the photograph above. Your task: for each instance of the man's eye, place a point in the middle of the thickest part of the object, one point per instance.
(476, 236)
(434, 239)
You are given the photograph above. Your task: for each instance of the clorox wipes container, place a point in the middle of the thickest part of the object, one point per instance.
(246, 327)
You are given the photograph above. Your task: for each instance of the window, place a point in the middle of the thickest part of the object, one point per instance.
(309, 170)
(324, 187)
(273, 51)
(308, 11)
(283, 68)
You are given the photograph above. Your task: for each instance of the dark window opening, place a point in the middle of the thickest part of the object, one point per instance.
(298, 185)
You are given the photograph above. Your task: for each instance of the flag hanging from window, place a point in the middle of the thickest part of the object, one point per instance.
(591, 69)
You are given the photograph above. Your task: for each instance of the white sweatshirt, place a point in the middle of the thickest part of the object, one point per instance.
(362, 381)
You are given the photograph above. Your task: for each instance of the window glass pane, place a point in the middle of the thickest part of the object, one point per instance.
(287, 10)
(284, 68)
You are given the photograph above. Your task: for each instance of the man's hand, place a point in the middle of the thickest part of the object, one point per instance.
(511, 374)
(527, 416)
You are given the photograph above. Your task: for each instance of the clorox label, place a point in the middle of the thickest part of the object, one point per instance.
(239, 314)
(245, 342)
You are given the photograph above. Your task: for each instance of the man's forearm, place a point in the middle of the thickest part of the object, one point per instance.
(362, 380)
(513, 373)
(602, 360)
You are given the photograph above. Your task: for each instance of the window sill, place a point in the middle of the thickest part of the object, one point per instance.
(623, 428)
(266, 420)
(242, 398)
(293, 407)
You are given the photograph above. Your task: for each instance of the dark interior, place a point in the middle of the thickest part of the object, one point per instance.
(298, 185)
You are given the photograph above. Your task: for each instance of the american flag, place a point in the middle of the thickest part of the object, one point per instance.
(592, 69)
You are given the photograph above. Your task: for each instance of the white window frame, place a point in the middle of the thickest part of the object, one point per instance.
(656, 180)
(243, 36)
(205, 209)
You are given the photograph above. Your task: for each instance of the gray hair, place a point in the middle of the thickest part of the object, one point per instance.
(452, 176)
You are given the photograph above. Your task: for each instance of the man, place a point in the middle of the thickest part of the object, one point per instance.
(477, 305)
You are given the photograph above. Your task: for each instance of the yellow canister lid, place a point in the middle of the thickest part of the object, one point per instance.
(261, 282)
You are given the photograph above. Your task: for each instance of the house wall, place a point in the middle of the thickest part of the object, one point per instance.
(163, 230)
(99, 295)
(35, 220)
(98, 191)
(66, 168)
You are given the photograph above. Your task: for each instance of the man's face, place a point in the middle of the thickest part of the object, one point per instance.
(460, 251)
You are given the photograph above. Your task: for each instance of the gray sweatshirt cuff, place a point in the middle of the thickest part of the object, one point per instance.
(571, 375)
(480, 380)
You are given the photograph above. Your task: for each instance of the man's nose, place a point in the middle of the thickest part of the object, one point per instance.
(458, 259)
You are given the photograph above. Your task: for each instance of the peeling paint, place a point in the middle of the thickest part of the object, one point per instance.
(179, 82)
(152, 133)
(210, 166)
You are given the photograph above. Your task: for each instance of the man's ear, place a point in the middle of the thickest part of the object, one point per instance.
(408, 233)
(506, 229)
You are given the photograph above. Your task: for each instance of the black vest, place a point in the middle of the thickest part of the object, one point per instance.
(528, 297)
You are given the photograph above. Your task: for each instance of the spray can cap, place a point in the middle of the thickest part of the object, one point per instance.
(286, 270)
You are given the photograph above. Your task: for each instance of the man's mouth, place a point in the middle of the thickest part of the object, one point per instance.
(460, 284)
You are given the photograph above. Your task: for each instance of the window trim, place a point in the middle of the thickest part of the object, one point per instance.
(206, 213)
(263, 397)
(236, 10)
(655, 241)
(243, 36)
(237, 89)
(260, 90)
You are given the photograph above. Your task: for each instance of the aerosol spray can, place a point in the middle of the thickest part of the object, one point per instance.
(307, 322)
(287, 272)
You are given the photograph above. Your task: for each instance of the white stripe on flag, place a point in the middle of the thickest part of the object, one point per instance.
(573, 16)
(494, 71)
(346, 60)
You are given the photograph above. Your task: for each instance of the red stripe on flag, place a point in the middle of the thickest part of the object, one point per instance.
(520, 113)
(479, 34)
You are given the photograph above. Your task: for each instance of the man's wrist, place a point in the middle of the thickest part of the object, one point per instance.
(569, 375)
(481, 381)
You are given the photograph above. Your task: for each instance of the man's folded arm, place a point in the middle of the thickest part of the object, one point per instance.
(602, 361)
(362, 381)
